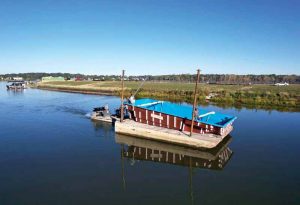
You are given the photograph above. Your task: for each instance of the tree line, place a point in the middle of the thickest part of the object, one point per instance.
(204, 78)
(230, 78)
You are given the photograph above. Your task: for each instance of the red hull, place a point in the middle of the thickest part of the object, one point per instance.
(172, 122)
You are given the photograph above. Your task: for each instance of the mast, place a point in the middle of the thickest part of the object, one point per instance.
(122, 97)
(195, 101)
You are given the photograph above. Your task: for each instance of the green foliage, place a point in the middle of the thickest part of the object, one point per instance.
(254, 95)
(205, 78)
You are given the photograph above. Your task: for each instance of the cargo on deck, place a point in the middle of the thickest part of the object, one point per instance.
(179, 117)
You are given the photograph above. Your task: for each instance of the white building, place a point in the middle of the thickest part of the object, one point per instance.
(17, 78)
(282, 84)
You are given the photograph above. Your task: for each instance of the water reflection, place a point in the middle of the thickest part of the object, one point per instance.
(103, 129)
(15, 92)
(136, 149)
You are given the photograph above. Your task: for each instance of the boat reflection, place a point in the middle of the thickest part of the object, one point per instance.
(147, 150)
(137, 149)
(103, 129)
(15, 91)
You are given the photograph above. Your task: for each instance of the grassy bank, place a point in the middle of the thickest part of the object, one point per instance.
(238, 95)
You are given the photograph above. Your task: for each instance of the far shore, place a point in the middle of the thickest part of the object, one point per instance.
(253, 96)
(76, 91)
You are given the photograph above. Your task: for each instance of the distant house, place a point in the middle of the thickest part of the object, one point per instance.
(78, 78)
(136, 79)
(210, 96)
(282, 84)
(17, 78)
(50, 79)
(96, 79)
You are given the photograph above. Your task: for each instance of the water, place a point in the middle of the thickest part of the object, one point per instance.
(51, 153)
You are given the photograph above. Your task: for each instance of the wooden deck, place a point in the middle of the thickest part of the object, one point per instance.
(130, 127)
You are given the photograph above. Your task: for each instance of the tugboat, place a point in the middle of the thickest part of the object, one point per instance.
(16, 85)
(101, 114)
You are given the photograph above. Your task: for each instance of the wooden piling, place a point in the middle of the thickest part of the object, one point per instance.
(122, 97)
(195, 101)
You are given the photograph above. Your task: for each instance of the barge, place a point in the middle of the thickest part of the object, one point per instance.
(168, 122)
(172, 122)
(16, 85)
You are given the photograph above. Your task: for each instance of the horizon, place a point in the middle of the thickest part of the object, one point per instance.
(145, 74)
(149, 37)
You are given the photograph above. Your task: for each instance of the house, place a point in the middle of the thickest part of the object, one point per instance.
(17, 78)
(50, 79)
(96, 79)
(282, 84)
(78, 78)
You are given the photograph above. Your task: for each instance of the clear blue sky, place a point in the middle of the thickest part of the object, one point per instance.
(150, 36)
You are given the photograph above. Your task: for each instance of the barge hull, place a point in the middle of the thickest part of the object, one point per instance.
(141, 130)
(159, 119)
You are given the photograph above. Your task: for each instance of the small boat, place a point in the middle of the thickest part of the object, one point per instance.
(16, 85)
(102, 114)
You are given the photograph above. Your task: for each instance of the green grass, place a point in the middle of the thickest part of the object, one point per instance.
(71, 83)
(237, 95)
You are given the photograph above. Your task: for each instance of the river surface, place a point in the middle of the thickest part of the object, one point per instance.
(52, 153)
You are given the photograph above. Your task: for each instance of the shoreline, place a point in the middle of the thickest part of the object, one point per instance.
(87, 92)
(236, 105)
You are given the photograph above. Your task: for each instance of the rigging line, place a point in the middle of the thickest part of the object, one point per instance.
(140, 86)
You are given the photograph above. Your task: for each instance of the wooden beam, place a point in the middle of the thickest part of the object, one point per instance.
(122, 97)
(195, 101)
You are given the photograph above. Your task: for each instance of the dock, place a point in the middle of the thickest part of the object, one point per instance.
(140, 130)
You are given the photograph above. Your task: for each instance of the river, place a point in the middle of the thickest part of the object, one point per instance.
(52, 153)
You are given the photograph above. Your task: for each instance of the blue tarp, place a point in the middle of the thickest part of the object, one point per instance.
(184, 111)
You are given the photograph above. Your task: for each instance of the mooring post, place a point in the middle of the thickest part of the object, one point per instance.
(195, 101)
(122, 97)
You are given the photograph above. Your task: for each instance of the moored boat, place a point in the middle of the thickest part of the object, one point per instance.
(16, 85)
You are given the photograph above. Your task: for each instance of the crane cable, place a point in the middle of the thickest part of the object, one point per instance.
(140, 87)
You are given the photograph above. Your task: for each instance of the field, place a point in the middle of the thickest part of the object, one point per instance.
(286, 97)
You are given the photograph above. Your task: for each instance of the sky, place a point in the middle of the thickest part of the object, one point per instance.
(150, 36)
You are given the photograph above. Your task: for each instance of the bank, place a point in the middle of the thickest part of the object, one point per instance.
(256, 96)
